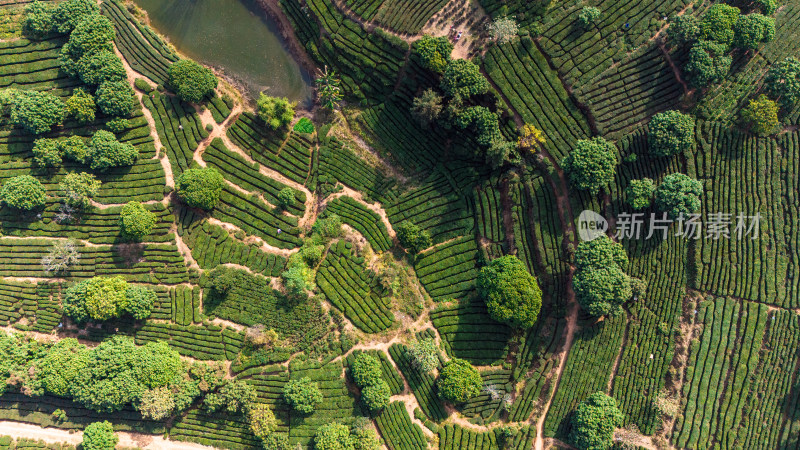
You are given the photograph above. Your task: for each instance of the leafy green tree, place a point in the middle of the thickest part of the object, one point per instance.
(262, 420)
(36, 112)
(427, 107)
(275, 441)
(275, 112)
(512, 295)
(463, 79)
(302, 395)
(62, 364)
(483, 122)
(678, 194)
(640, 193)
(602, 291)
(364, 435)
(588, 16)
(328, 227)
(99, 436)
(233, 397)
(376, 396)
(136, 221)
(424, 354)
(459, 381)
(768, 7)
(591, 165)
(116, 98)
(68, 14)
(157, 404)
(98, 298)
(77, 189)
(191, 81)
(333, 436)
(81, 106)
(412, 237)
(783, 82)
(74, 148)
(717, 24)
(298, 278)
(38, 20)
(200, 188)
(105, 151)
(503, 29)
(753, 29)
(286, 197)
(366, 370)
(23, 192)
(594, 422)
(762, 115)
(434, 52)
(139, 301)
(99, 67)
(93, 33)
(499, 152)
(708, 64)
(670, 133)
(683, 29)
(600, 285)
(46, 152)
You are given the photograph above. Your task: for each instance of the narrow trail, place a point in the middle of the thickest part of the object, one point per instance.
(59, 436)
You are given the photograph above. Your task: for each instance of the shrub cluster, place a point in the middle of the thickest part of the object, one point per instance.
(366, 373)
(600, 284)
(102, 298)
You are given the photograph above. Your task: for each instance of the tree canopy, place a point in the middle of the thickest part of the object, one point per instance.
(275, 112)
(78, 188)
(103, 298)
(36, 112)
(594, 422)
(23, 192)
(718, 22)
(191, 81)
(592, 164)
(753, 29)
(80, 106)
(99, 436)
(302, 395)
(684, 29)
(459, 381)
(115, 98)
(678, 194)
(587, 16)
(782, 82)
(639, 193)
(434, 52)
(136, 221)
(512, 295)
(708, 64)
(105, 152)
(463, 79)
(200, 188)
(600, 285)
(762, 115)
(670, 133)
(412, 237)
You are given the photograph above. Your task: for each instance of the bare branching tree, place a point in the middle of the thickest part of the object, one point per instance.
(62, 256)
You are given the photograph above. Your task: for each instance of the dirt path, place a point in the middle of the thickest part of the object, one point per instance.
(58, 436)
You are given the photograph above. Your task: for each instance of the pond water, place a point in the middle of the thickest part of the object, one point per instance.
(236, 36)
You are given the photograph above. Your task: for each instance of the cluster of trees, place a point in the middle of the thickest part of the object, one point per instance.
(109, 377)
(511, 293)
(600, 284)
(721, 28)
(103, 151)
(335, 436)
(367, 375)
(464, 104)
(103, 298)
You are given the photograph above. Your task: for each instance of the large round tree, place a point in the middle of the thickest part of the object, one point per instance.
(459, 381)
(36, 112)
(591, 164)
(512, 295)
(191, 81)
(200, 188)
(670, 133)
(678, 194)
(600, 285)
(594, 422)
(23, 192)
(783, 82)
